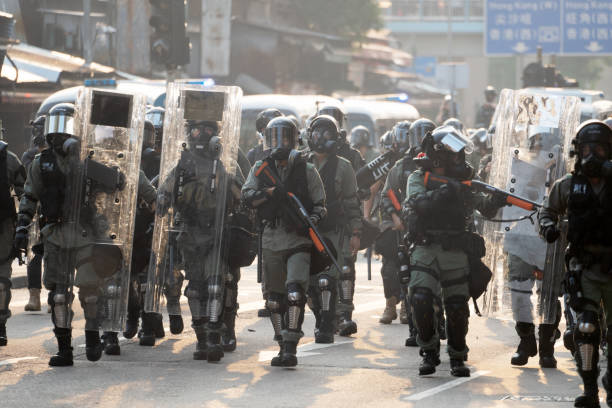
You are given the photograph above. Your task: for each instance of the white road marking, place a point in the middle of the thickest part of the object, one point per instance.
(15, 360)
(305, 350)
(444, 387)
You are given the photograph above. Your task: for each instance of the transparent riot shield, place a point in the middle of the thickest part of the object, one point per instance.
(112, 129)
(196, 179)
(529, 154)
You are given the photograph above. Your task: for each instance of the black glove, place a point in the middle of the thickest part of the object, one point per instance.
(550, 233)
(499, 200)
(21, 239)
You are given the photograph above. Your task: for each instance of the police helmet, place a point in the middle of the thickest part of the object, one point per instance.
(454, 122)
(60, 120)
(264, 117)
(490, 93)
(400, 134)
(323, 134)
(335, 111)
(360, 137)
(592, 132)
(38, 131)
(202, 137)
(280, 137)
(418, 130)
(387, 141)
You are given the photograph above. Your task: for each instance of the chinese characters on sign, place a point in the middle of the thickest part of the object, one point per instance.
(558, 26)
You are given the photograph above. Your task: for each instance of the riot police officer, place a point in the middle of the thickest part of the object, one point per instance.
(585, 196)
(395, 186)
(437, 219)
(360, 140)
(286, 248)
(346, 325)
(343, 213)
(191, 189)
(263, 117)
(66, 187)
(34, 270)
(12, 177)
(486, 111)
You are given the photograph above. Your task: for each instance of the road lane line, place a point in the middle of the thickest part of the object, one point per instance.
(444, 387)
(15, 360)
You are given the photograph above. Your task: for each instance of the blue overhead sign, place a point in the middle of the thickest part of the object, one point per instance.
(558, 26)
(587, 27)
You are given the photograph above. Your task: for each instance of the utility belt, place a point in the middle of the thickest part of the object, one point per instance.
(591, 255)
(469, 242)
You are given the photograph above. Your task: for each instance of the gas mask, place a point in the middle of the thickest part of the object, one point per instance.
(65, 145)
(592, 159)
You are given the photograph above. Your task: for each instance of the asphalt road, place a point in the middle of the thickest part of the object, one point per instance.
(372, 368)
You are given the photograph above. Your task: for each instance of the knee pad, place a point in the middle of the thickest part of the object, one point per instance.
(5, 294)
(61, 312)
(347, 278)
(587, 335)
(326, 288)
(275, 305)
(295, 302)
(423, 314)
(90, 306)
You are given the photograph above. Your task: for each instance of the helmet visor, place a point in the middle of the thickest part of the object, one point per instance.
(455, 143)
(60, 123)
(276, 137)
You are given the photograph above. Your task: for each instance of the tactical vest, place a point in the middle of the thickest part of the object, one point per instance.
(351, 155)
(335, 211)
(193, 196)
(589, 216)
(53, 182)
(7, 204)
(296, 183)
(407, 166)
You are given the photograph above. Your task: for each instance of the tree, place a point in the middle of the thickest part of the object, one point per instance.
(348, 18)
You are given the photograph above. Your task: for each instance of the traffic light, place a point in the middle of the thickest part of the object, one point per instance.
(169, 42)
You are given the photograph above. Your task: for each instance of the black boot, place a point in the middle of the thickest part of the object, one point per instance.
(214, 350)
(458, 368)
(547, 335)
(289, 354)
(325, 333)
(228, 337)
(527, 347)
(3, 338)
(147, 337)
(111, 344)
(176, 324)
(347, 326)
(93, 346)
(431, 359)
(63, 358)
(277, 360)
(158, 325)
(412, 341)
(131, 327)
(199, 327)
(590, 396)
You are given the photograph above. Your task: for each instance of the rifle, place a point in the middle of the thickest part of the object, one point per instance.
(434, 181)
(297, 210)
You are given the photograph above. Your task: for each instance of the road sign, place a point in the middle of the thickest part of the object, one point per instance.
(587, 27)
(519, 27)
(575, 27)
(425, 66)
